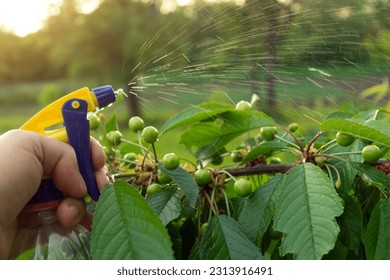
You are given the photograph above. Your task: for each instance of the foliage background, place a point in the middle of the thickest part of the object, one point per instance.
(311, 55)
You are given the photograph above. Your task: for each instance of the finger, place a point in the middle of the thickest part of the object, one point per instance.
(97, 154)
(38, 156)
(59, 161)
(102, 178)
(70, 212)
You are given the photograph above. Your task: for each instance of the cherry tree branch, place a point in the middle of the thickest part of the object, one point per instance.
(261, 169)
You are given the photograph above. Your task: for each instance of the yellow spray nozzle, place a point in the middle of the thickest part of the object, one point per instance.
(44, 121)
(51, 115)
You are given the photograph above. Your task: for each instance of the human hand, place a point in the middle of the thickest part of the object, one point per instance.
(25, 158)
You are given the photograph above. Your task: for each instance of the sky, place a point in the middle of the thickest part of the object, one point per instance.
(27, 16)
(23, 17)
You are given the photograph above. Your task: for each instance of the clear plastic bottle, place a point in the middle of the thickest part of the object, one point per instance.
(41, 237)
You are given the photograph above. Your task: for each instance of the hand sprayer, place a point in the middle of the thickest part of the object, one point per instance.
(40, 236)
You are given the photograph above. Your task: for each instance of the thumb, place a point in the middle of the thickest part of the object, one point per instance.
(28, 156)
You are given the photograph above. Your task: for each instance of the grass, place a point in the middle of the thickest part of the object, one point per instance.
(14, 117)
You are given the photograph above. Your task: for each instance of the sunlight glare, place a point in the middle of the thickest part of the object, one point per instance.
(181, 3)
(23, 17)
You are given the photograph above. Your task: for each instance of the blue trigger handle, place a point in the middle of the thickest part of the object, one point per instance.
(74, 115)
(74, 112)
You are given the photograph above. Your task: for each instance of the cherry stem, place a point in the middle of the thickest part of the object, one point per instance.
(311, 143)
(327, 146)
(294, 137)
(330, 173)
(206, 195)
(146, 154)
(331, 156)
(212, 199)
(155, 153)
(139, 139)
(199, 205)
(226, 202)
(228, 174)
(133, 143)
(286, 141)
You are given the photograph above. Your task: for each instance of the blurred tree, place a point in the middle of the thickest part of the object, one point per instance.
(22, 59)
(61, 32)
(123, 40)
(10, 45)
(336, 35)
(111, 44)
(259, 29)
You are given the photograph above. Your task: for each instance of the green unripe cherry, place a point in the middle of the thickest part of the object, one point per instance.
(203, 228)
(163, 178)
(136, 124)
(202, 177)
(344, 139)
(114, 137)
(243, 105)
(94, 121)
(242, 187)
(320, 160)
(130, 156)
(275, 160)
(293, 127)
(129, 159)
(170, 161)
(236, 156)
(149, 134)
(153, 189)
(371, 153)
(268, 132)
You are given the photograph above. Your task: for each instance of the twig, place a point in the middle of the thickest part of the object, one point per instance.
(261, 169)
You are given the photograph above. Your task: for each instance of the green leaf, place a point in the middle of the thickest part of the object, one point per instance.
(166, 204)
(372, 175)
(215, 134)
(306, 211)
(340, 115)
(339, 252)
(27, 255)
(111, 123)
(373, 130)
(125, 227)
(377, 239)
(259, 209)
(346, 172)
(264, 149)
(195, 114)
(365, 116)
(351, 223)
(185, 182)
(224, 240)
(195, 254)
(177, 240)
